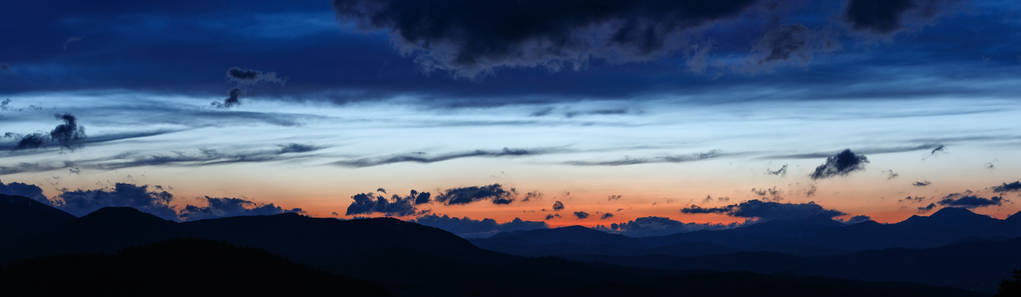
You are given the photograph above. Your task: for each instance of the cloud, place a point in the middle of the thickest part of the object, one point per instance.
(937, 149)
(69, 135)
(782, 171)
(658, 226)
(857, 219)
(916, 199)
(534, 195)
(465, 195)
(466, 227)
(768, 210)
(921, 183)
(470, 38)
(150, 199)
(661, 159)
(839, 165)
(24, 190)
(552, 216)
(368, 203)
(233, 99)
(772, 193)
(558, 206)
(606, 216)
(927, 208)
(614, 197)
(250, 76)
(420, 157)
(788, 42)
(581, 215)
(969, 201)
(865, 151)
(231, 207)
(204, 157)
(1008, 187)
(890, 16)
(890, 174)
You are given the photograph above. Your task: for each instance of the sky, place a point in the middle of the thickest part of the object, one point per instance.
(565, 113)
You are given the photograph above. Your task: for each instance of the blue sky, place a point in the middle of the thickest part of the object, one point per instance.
(351, 96)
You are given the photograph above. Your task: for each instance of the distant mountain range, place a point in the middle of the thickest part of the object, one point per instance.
(404, 259)
(953, 246)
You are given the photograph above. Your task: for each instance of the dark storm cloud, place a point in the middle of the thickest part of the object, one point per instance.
(421, 157)
(469, 38)
(768, 210)
(658, 226)
(889, 16)
(841, 164)
(368, 203)
(231, 207)
(581, 215)
(465, 195)
(467, 227)
(558, 206)
(921, 183)
(660, 159)
(969, 201)
(150, 199)
(1008, 187)
(23, 190)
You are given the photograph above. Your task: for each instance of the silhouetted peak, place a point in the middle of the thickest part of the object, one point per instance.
(121, 215)
(22, 205)
(1015, 218)
(954, 213)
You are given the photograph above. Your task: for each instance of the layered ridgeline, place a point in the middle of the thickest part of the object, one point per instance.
(952, 247)
(363, 257)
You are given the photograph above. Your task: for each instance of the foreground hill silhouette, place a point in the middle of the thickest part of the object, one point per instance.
(407, 259)
(952, 247)
(183, 267)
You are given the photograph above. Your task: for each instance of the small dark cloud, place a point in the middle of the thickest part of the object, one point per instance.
(231, 207)
(558, 206)
(69, 134)
(606, 216)
(841, 164)
(614, 197)
(5, 105)
(250, 76)
(465, 195)
(970, 201)
(368, 203)
(927, 208)
(466, 227)
(782, 171)
(534, 195)
(812, 189)
(938, 149)
(661, 159)
(790, 42)
(150, 199)
(233, 99)
(31, 141)
(914, 199)
(771, 193)
(768, 210)
(581, 215)
(890, 174)
(921, 183)
(552, 216)
(890, 16)
(420, 157)
(1008, 187)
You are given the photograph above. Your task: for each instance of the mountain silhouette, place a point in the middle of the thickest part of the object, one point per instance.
(407, 259)
(177, 267)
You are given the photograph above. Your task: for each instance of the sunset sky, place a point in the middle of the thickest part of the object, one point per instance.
(641, 110)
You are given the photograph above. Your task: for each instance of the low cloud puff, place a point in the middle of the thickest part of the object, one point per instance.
(231, 207)
(465, 195)
(368, 203)
(1008, 187)
(970, 201)
(840, 164)
(466, 227)
(768, 210)
(150, 199)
